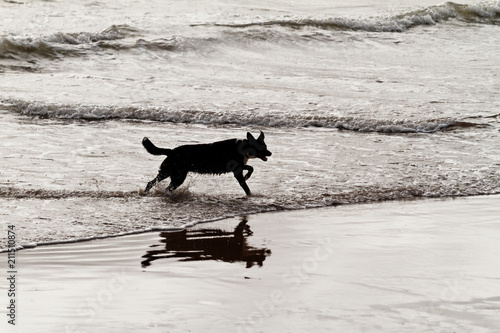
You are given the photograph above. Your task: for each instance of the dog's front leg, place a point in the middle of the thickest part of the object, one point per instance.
(250, 171)
(241, 180)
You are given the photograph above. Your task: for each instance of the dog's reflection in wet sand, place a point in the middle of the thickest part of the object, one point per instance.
(209, 244)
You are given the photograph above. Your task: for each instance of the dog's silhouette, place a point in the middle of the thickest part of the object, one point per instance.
(213, 158)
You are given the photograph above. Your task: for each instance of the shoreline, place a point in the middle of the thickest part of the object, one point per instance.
(195, 223)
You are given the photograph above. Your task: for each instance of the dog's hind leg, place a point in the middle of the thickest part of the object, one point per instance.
(150, 185)
(176, 180)
(161, 176)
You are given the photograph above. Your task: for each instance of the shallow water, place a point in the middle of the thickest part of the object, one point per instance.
(359, 103)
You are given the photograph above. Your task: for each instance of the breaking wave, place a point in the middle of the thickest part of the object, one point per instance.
(481, 13)
(78, 44)
(60, 44)
(324, 119)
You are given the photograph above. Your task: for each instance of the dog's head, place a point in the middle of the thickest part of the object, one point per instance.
(258, 147)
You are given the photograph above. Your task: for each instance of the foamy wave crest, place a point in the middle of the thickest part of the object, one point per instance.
(170, 44)
(18, 193)
(60, 44)
(240, 118)
(482, 13)
(111, 33)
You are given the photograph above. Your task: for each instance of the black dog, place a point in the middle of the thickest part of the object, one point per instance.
(213, 158)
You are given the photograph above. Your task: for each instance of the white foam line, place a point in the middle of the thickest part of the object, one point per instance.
(155, 113)
(122, 234)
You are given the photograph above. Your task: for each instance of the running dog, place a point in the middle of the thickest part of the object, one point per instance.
(213, 158)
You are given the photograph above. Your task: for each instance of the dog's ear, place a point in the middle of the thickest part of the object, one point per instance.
(261, 136)
(250, 137)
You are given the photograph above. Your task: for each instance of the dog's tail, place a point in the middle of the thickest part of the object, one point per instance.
(152, 149)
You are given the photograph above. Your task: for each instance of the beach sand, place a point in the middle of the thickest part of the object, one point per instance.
(414, 266)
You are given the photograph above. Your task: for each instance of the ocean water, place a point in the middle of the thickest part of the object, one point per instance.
(378, 100)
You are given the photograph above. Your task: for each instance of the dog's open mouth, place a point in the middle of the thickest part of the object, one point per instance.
(263, 156)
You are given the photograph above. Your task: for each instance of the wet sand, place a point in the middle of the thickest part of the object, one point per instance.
(416, 266)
